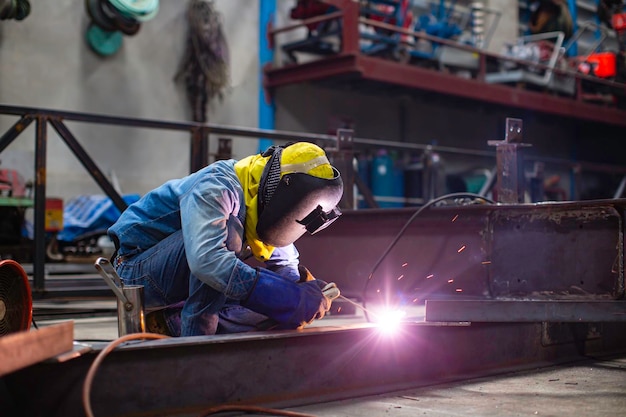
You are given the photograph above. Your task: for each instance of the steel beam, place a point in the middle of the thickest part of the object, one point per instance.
(360, 67)
(18, 127)
(510, 164)
(525, 311)
(478, 251)
(88, 163)
(182, 376)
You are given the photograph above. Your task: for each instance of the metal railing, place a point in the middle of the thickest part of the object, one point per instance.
(199, 157)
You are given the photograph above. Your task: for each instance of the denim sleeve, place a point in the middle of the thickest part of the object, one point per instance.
(284, 261)
(204, 212)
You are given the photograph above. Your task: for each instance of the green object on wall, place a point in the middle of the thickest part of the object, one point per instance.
(142, 10)
(14, 9)
(103, 42)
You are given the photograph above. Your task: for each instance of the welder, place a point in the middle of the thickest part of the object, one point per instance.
(186, 242)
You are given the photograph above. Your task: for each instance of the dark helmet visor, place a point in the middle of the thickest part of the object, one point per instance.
(301, 203)
(319, 219)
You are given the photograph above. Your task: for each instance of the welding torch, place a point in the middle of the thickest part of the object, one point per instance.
(354, 303)
(331, 291)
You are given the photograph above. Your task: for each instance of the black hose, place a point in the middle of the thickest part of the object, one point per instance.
(430, 203)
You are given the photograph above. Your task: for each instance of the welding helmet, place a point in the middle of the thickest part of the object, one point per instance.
(299, 191)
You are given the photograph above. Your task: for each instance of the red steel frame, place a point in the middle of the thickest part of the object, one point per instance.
(351, 62)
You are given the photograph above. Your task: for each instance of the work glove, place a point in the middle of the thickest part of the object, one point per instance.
(329, 290)
(291, 304)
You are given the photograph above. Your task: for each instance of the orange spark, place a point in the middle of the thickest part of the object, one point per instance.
(405, 264)
(459, 290)
(450, 281)
(430, 276)
(455, 217)
(461, 249)
(400, 277)
(485, 262)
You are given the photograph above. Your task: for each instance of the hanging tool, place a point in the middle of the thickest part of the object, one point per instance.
(204, 69)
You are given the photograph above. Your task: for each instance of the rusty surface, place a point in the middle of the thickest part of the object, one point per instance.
(182, 376)
(548, 250)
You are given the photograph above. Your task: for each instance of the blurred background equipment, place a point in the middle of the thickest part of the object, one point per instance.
(534, 60)
(16, 304)
(14, 201)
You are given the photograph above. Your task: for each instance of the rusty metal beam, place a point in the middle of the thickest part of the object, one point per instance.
(14, 131)
(475, 251)
(510, 163)
(183, 376)
(199, 152)
(362, 67)
(89, 164)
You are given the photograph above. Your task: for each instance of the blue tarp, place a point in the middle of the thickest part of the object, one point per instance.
(89, 213)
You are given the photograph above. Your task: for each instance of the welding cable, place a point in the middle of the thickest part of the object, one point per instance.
(462, 195)
(96, 363)
(213, 410)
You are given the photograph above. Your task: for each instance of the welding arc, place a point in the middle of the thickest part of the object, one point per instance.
(406, 225)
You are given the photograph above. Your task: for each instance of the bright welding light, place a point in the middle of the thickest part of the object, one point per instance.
(389, 321)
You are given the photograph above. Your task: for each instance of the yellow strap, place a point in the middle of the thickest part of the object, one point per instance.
(249, 171)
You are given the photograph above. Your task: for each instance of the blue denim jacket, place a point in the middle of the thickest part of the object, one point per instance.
(209, 207)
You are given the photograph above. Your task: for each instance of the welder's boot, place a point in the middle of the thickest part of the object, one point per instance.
(156, 323)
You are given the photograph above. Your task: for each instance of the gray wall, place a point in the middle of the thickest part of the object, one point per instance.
(45, 62)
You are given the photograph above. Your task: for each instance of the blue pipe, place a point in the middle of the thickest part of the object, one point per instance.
(573, 10)
(267, 11)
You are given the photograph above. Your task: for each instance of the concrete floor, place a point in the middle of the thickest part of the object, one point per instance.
(594, 387)
(590, 388)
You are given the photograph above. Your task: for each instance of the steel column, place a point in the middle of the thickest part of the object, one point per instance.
(39, 258)
(343, 158)
(199, 153)
(511, 182)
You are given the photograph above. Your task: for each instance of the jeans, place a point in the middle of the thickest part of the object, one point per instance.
(192, 307)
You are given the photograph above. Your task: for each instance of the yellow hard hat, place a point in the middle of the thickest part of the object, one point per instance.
(298, 192)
